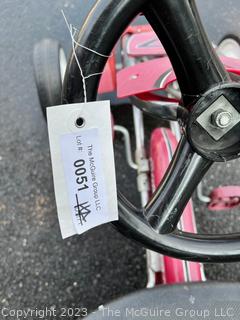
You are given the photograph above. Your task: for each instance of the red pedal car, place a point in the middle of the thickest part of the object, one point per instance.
(170, 70)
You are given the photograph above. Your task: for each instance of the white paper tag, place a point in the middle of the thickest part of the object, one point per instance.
(83, 165)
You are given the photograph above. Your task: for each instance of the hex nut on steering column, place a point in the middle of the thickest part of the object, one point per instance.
(221, 118)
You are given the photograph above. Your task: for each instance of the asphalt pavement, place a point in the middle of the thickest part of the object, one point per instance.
(37, 268)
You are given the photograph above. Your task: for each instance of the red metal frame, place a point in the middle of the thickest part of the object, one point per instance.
(145, 44)
(156, 75)
(224, 198)
(143, 78)
(108, 79)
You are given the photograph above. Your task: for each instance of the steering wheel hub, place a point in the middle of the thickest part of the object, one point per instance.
(214, 124)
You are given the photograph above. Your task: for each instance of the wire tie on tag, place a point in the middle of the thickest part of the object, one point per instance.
(73, 31)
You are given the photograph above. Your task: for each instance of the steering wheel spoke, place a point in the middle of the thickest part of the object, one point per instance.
(185, 172)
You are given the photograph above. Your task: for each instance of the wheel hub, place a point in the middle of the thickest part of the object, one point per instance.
(214, 125)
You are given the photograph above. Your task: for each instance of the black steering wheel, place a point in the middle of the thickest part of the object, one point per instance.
(208, 94)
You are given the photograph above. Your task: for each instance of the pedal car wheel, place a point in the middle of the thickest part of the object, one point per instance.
(49, 67)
